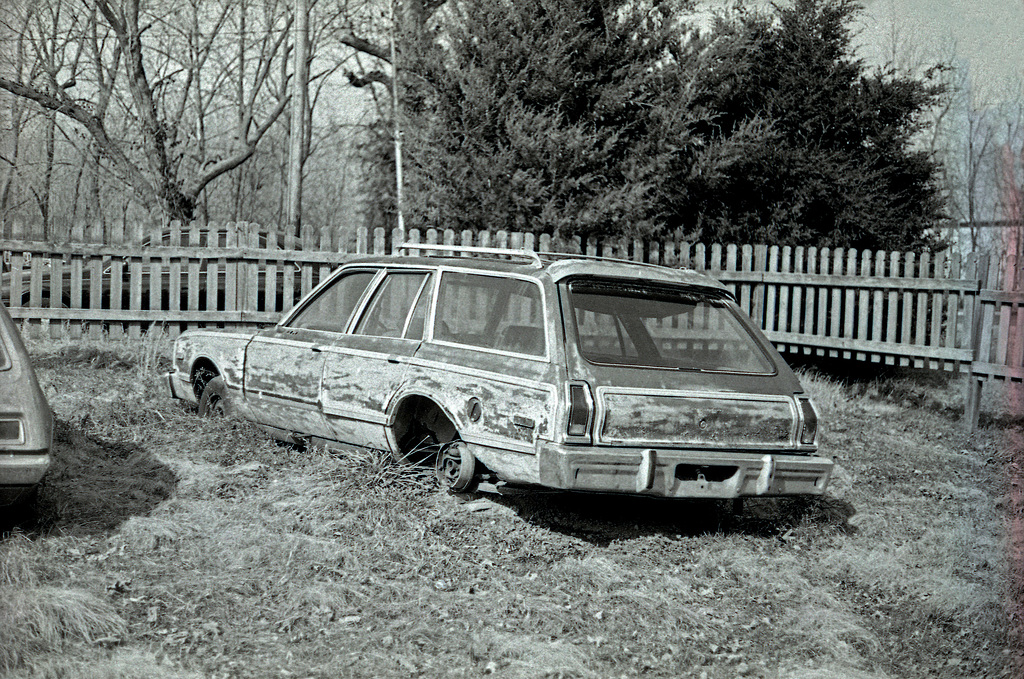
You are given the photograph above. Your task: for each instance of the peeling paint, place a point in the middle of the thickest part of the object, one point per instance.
(694, 420)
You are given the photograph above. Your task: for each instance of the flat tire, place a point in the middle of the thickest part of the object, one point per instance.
(213, 402)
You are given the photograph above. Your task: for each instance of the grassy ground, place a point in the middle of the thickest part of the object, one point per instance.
(163, 546)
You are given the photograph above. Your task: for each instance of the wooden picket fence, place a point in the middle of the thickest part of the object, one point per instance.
(928, 310)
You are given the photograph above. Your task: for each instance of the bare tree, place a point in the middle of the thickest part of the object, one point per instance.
(158, 145)
(11, 153)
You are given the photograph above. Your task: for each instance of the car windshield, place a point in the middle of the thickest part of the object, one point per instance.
(660, 326)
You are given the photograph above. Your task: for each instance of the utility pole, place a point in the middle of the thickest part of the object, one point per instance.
(398, 129)
(299, 106)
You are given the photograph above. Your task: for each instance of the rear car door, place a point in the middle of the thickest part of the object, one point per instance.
(284, 364)
(489, 364)
(365, 367)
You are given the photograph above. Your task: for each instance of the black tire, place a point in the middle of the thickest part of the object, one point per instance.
(455, 467)
(213, 402)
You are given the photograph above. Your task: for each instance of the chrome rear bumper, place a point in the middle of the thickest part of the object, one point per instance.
(683, 473)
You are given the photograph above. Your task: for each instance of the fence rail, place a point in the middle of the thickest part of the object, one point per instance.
(929, 310)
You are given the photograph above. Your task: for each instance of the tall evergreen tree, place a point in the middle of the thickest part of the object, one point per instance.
(832, 161)
(615, 117)
(544, 116)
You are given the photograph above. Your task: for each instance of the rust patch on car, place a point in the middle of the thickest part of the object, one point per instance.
(683, 420)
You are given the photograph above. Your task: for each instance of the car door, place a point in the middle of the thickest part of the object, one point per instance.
(366, 366)
(284, 364)
(487, 361)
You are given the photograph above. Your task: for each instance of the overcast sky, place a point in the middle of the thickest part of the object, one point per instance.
(988, 34)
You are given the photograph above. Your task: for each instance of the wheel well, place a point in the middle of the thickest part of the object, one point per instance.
(418, 419)
(203, 370)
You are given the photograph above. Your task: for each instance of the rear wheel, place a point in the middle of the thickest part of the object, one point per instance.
(455, 467)
(212, 403)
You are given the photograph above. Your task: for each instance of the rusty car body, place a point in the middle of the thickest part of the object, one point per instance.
(26, 421)
(512, 368)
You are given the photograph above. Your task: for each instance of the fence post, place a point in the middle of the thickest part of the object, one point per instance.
(972, 410)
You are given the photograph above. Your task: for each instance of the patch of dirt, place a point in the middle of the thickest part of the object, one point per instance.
(93, 486)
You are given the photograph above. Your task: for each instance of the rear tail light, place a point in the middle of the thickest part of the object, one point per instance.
(809, 422)
(581, 409)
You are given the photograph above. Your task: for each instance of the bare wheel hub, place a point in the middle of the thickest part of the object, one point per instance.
(455, 466)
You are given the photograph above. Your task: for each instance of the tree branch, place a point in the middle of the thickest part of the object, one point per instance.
(65, 106)
(230, 163)
(357, 80)
(366, 47)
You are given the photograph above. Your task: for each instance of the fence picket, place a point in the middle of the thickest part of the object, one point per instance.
(877, 331)
(892, 309)
(907, 318)
(836, 328)
(758, 291)
(863, 303)
(920, 309)
(812, 292)
(849, 300)
(135, 292)
(797, 293)
(781, 316)
(936, 308)
(56, 285)
(77, 269)
(1015, 360)
(988, 310)
(116, 296)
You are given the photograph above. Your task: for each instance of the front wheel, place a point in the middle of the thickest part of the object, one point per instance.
(455, 467)
(212, 403)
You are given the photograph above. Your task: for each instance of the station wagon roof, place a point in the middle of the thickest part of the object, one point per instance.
(560, 268)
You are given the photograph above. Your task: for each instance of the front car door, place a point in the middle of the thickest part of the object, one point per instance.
(284, 364)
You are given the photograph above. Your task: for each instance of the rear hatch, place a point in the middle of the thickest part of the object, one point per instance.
(677, 366)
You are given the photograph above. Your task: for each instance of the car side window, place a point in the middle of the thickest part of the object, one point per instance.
(418, 320)
(330, 310)
(391, 305)
(493, 312)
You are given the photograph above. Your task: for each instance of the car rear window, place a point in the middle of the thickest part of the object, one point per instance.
(492, 312)
(656, 326)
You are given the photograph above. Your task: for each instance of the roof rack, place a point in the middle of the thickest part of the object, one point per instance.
(596, 258)
(530, 255)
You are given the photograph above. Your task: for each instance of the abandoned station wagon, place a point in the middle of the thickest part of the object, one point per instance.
(515, 368)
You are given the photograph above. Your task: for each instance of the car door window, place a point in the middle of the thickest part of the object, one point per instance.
(418, 319)
(389, 310)
(492, 312)
(330, 310)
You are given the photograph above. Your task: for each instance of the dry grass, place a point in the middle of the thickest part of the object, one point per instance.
(199, 548)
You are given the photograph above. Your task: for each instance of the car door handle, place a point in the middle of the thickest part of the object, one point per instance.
(394, 359)
(315, 349)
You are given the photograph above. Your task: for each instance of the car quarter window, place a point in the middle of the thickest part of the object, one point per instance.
(494, 312)
(331, 308)
(389, 311)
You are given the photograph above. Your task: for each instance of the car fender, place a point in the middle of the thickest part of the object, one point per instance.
(410, 390)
